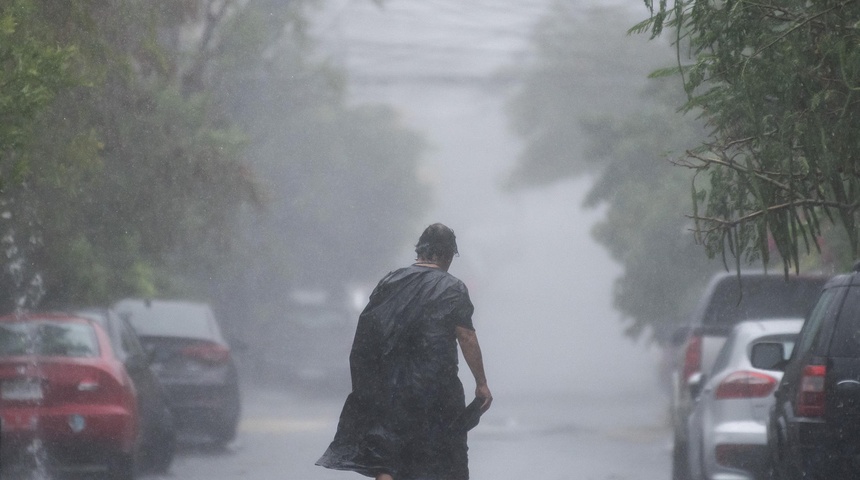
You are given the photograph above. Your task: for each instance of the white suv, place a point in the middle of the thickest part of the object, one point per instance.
(728, 299)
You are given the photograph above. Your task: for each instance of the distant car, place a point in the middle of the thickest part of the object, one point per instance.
(157, 445)
(727, 300)
(66, 394)
(309, 343)
(727, 427)
(814, 427)
(192, 360)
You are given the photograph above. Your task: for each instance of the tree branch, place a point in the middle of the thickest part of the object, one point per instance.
(792, 29)
(723, 223)
(761, 174)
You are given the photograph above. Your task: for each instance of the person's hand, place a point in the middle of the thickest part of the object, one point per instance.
(483, 392)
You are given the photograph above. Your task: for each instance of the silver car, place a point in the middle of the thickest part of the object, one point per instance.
(727, 427)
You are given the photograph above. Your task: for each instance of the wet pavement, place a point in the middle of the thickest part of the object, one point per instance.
(554, 436)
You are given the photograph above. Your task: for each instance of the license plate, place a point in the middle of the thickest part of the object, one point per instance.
(18, 423)
(22, 389)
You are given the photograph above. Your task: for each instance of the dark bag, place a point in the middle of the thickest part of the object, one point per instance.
(469, 418)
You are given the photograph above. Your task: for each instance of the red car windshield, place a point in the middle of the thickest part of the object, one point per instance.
(48, 339)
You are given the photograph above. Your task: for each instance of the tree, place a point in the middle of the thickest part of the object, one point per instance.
(777, 85)
(191, 149)
(121, 169)
(583, 112)
(34, 66)
(644, 227)
(340, 180)
(584, 64)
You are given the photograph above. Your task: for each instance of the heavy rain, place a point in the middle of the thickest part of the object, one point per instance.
(197, 199)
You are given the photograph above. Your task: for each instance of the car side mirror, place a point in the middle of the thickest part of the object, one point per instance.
(679, 336)
(768, 356)
(695, 383)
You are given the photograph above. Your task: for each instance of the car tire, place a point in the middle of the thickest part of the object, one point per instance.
(225, 432)
(162, 452)
(121, 466)
(680, 462)
(770, 473)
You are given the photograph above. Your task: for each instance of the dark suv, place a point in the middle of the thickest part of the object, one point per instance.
(727, 300)
(814, 428)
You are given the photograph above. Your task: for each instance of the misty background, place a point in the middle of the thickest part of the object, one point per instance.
(541, 285)
(242, 153)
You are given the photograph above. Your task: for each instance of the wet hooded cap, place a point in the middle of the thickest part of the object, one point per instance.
(437, 239)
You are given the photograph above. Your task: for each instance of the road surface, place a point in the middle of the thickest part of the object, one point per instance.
(551, 436)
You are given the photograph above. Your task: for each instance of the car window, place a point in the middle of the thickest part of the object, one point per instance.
(55, 339)
(128, 339)
(824, 308)
(846, 339)
(763, 297)
(101, 318)
(171, 319)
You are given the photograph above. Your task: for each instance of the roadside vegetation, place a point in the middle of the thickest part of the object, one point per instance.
(726, 142)
(188, 148)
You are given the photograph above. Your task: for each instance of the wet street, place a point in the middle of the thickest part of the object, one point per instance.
(555, 437)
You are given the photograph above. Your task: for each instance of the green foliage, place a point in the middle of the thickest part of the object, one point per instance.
(340, 181)
(584, 64)
(131, 173)
(33, 68)
(187, 148)
(777, 83)
(582, 111)
(645, 227)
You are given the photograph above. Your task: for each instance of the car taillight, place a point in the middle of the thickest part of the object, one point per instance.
(692, 357)
(810, 396)
(100, 388)
(207, 352)
(744, 384)
(88, 386)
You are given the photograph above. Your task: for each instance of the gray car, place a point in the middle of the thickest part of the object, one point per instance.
(727, 426)
(192, 360)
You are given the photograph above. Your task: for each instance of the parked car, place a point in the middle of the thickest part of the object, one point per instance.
(192, 360)
(727, 435)
(310, 343)
(727, 300)
(157, 445)
(65, 394)
(814, 427)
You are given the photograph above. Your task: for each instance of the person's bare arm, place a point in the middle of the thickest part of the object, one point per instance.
(472, 354)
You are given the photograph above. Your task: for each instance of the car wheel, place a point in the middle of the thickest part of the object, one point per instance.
(159, 455)
(121, 467)
(225, 432)
(680, 465)
(770, 472)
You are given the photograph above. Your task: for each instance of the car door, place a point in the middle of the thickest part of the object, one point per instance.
(810, 346)
(843, 371)
(149, 390)
(810, 343)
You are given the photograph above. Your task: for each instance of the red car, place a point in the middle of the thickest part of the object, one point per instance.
(66, 402)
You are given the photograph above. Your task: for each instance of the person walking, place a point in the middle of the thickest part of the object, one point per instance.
(406, 418)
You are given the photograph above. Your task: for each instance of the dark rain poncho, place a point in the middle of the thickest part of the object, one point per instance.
(401, 415)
